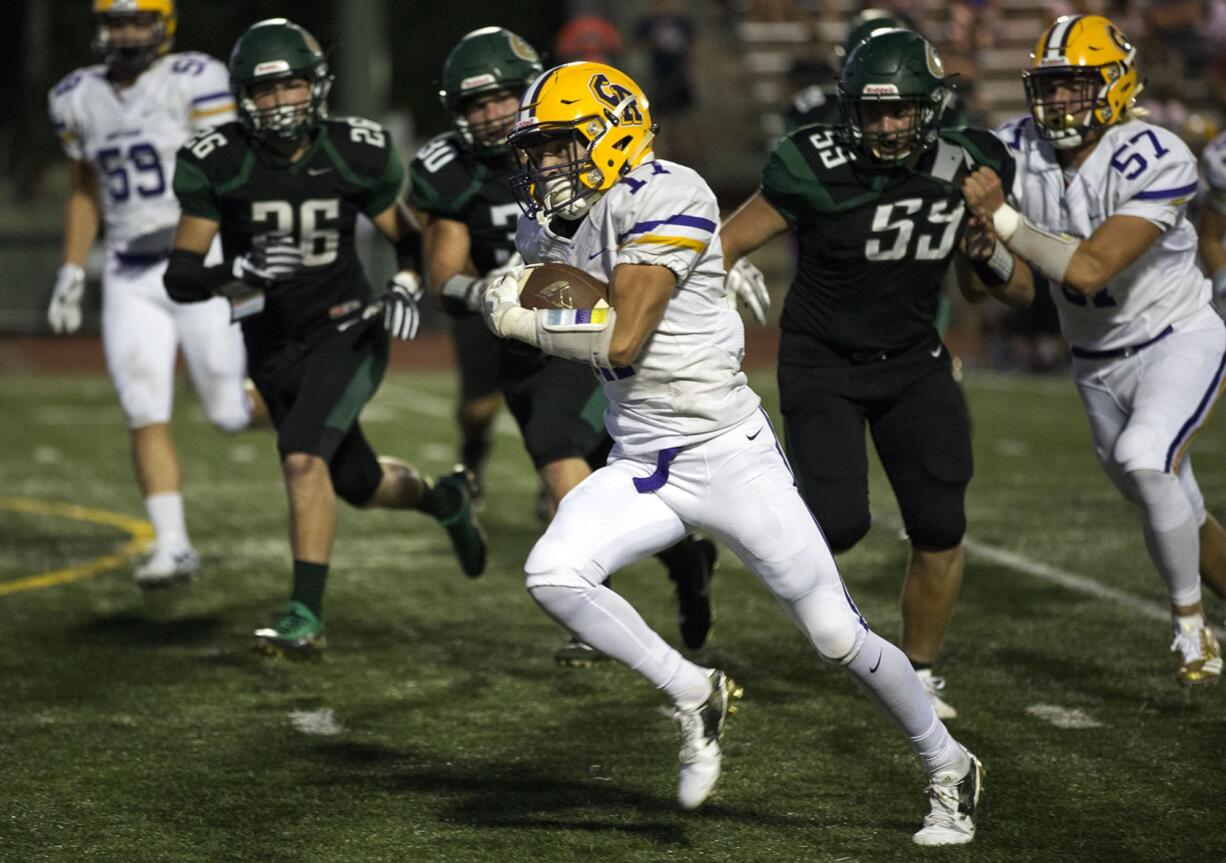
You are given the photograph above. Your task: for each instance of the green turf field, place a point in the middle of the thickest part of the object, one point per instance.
(438, 729)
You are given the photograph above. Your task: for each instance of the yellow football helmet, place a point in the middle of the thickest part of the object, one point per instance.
(131, 57)
(1082, 76)
(581, 127)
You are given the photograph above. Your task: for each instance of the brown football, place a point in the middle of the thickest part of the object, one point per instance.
(561, 286)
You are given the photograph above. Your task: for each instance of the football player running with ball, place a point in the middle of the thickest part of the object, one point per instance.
(120, 123)
(694, 449)
(877, 210)
(1101, 213)
(460, 193)
(284, 187)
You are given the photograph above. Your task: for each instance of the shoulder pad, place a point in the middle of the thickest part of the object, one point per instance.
(218, 151)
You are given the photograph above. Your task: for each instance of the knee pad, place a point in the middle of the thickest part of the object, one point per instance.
(843, 529)
(1139, 448)
(142, 405)
(831, 623)
(937, 528)
(356, 480)
(228, 415)
(1162, 497)
(553, 564)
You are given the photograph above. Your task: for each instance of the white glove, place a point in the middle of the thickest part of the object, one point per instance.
(501, 298)
(272, 259)
(746, 285)
(463, 294)
(401, 314)
(64, 313)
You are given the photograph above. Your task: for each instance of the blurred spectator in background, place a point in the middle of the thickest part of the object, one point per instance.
(668, 35)
(588, 36)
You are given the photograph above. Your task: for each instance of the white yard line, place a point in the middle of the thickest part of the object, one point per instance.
(1063, 717)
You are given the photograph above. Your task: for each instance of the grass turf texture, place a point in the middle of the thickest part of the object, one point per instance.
(143, 730)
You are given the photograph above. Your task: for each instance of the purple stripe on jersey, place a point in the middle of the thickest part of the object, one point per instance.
(211, 96)
(1165, 193)
(1197, 418)
(655, 482)
(679, 219)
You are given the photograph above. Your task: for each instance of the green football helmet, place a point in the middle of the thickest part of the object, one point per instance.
(486, 61)
(277, 49)
(893, 80)
(864, 25)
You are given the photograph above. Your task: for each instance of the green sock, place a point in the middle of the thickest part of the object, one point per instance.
(441, 500)
(309, 581)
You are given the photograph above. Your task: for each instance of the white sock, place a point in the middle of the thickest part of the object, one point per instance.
(885, 675)
(166, 513)
(1172, 534)
(604, 619)
(1187, 622)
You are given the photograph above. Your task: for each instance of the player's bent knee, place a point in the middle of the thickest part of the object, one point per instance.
(937, 535)
(230, 418)
(552, 563)
(830, 623)
(1139, 447)
(357, 484)
(843, 533)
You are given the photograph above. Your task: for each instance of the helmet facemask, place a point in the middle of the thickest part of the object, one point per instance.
(284, 123)
(557, 175)
(125, 56)
(486, 136)
(915, 123)
(1065, 119)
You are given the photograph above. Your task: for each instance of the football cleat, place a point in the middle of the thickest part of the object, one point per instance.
(702, 728)
(576, 653)
(933, 687)
(167, 568)
(1198, 657)
(298, 635)
(694, 613)
(953, 799)
(467, 537)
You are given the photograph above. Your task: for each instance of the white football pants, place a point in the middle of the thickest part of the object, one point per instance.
(738, 488)
(141, 330)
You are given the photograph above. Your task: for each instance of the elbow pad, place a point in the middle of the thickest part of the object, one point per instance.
(188, 280)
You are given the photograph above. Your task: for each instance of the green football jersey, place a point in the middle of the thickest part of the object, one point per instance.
(447, 182)
(874, 245)
(351, 168)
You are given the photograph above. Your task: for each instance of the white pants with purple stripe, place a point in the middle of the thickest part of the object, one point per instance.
(738, 488)
(1145, 409)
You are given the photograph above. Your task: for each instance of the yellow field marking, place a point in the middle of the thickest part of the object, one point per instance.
(140, 536)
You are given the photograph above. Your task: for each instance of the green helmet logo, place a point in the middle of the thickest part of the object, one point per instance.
(486, 61)
(892, 92)
(277, 50)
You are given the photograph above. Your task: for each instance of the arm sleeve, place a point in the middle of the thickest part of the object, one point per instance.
(1159, 177)
(63, 119)
(195, 191)
(669, 222)
(212, 103)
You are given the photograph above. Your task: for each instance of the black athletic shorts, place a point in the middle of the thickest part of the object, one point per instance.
(315, 392)
(558, 404)
(920, 425)
(478, 355)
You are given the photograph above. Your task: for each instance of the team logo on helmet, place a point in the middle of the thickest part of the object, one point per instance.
(521, 49)
(935, 66)
(615, 96)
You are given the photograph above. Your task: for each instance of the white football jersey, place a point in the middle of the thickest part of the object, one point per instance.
(130, 137)
(686, 385)
(1213, 161)
(1137, 169)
